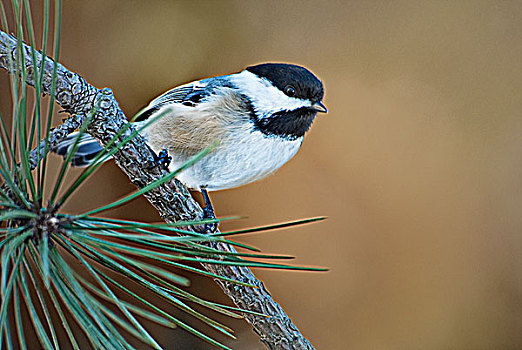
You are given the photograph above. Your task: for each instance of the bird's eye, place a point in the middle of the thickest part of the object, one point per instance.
(290, 90)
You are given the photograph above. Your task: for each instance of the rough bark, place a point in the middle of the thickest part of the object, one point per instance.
(172, 200)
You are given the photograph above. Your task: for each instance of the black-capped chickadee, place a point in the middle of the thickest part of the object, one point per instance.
(258, 116)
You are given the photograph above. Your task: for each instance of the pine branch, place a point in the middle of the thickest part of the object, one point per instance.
(172, 200)
(55, 136)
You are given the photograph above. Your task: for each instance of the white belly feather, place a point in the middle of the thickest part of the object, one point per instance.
(243, 158)
(247, 158)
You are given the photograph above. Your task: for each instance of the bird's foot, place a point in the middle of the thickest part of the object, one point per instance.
(208, 213)
(162, 159)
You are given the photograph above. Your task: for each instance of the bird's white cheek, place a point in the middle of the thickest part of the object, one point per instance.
(266, 98)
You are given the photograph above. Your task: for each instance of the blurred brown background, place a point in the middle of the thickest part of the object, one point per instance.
(417, 165)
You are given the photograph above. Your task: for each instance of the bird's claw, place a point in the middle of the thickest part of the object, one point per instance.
(162, 159)
(208, 213)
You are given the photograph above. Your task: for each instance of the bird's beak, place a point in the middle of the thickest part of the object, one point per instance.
(319, 107)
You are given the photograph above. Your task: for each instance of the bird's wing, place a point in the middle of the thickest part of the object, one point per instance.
(189, 95)
(188, 130)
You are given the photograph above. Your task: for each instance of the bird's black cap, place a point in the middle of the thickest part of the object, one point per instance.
(295, 81)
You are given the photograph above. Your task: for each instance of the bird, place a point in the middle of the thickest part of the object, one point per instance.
(257, 118)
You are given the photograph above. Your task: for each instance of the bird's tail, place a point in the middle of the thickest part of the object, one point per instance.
(88, 149)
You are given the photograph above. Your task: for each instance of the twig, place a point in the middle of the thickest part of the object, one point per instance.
(55, 136)
(172, 200)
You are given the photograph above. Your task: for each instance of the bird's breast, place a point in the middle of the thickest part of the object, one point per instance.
(242, 156)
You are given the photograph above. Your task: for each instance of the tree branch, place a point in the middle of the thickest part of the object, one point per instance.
(172, 200)
(55, 136)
